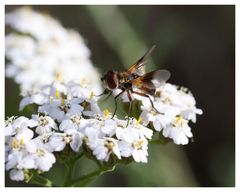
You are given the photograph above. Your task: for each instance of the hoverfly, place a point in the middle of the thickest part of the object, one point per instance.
(135, 77)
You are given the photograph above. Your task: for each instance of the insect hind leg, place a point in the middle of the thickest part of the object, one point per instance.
(145, 95)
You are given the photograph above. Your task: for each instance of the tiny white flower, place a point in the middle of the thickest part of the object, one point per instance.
(105, 147)
(134, 130)
(16, 175)
(58, 141)
(43, 124)
(142, 130)
(91, 135)
(76, 122)
(133, 143)
(159, 121)
(41, 155)
(39, 99)
(137, 149)
(16, 125)
(108, 127)
(61, 109)
(19, 160)
(178, 130)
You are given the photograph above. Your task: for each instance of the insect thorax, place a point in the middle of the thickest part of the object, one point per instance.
(126, 77)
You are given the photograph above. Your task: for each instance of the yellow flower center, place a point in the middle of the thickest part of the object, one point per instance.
(83, 82)
(139, 120)
(40, 152)
(91, 95)
(138, 144)
(109, 144)
(67, 139)
(106, 113)
(178, 122)
(58, 76)
(17, 144)
(76, 119)
(57, 94)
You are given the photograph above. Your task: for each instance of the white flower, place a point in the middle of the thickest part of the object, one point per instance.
(134, 130)
(91, 134)
(180, 98)
(58, 141)
(16, 175)
(17, 133)
(189, 110)
(43, 124)
(87, 94)
(140, 129)
(133, 141)
(40, 154)
(77, 123)
(61, 109)
(19, 160)
(159, 120)
(39, 99)
(16, 125)
(178, 130)
(103, 148)
(137, 149)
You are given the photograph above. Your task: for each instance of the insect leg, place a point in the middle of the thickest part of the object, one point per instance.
(106, 91)
(145, 95)
(130, 106)
(115, 100)
(108, 96)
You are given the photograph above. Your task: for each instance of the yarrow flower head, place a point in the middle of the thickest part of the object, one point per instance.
(68, 122)
(43, 44)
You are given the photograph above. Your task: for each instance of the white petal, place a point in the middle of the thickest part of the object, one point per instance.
(76, 142)
(32, 123)
(16, 175)
(57, 143)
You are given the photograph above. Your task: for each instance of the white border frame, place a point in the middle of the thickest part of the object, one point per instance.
(118, 2)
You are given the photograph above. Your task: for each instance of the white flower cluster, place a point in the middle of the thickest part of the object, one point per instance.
(175, 108)
(41, 48)
(47, 61)
(68, 114)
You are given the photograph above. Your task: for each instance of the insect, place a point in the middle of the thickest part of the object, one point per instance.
(134, 77)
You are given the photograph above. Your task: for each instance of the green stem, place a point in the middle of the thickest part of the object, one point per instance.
(79, 156)
(39, 180)
(88, 177)
(70, 168)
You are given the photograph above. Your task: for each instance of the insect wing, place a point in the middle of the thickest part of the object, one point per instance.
(152, 80)
(159, 77)
(138, 67)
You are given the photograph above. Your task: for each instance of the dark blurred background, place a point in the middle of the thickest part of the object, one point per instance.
(197, 45)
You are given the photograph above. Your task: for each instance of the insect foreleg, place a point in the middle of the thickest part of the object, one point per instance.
(108, 96)
(130, 105)
(115, 100)
(106, 91)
